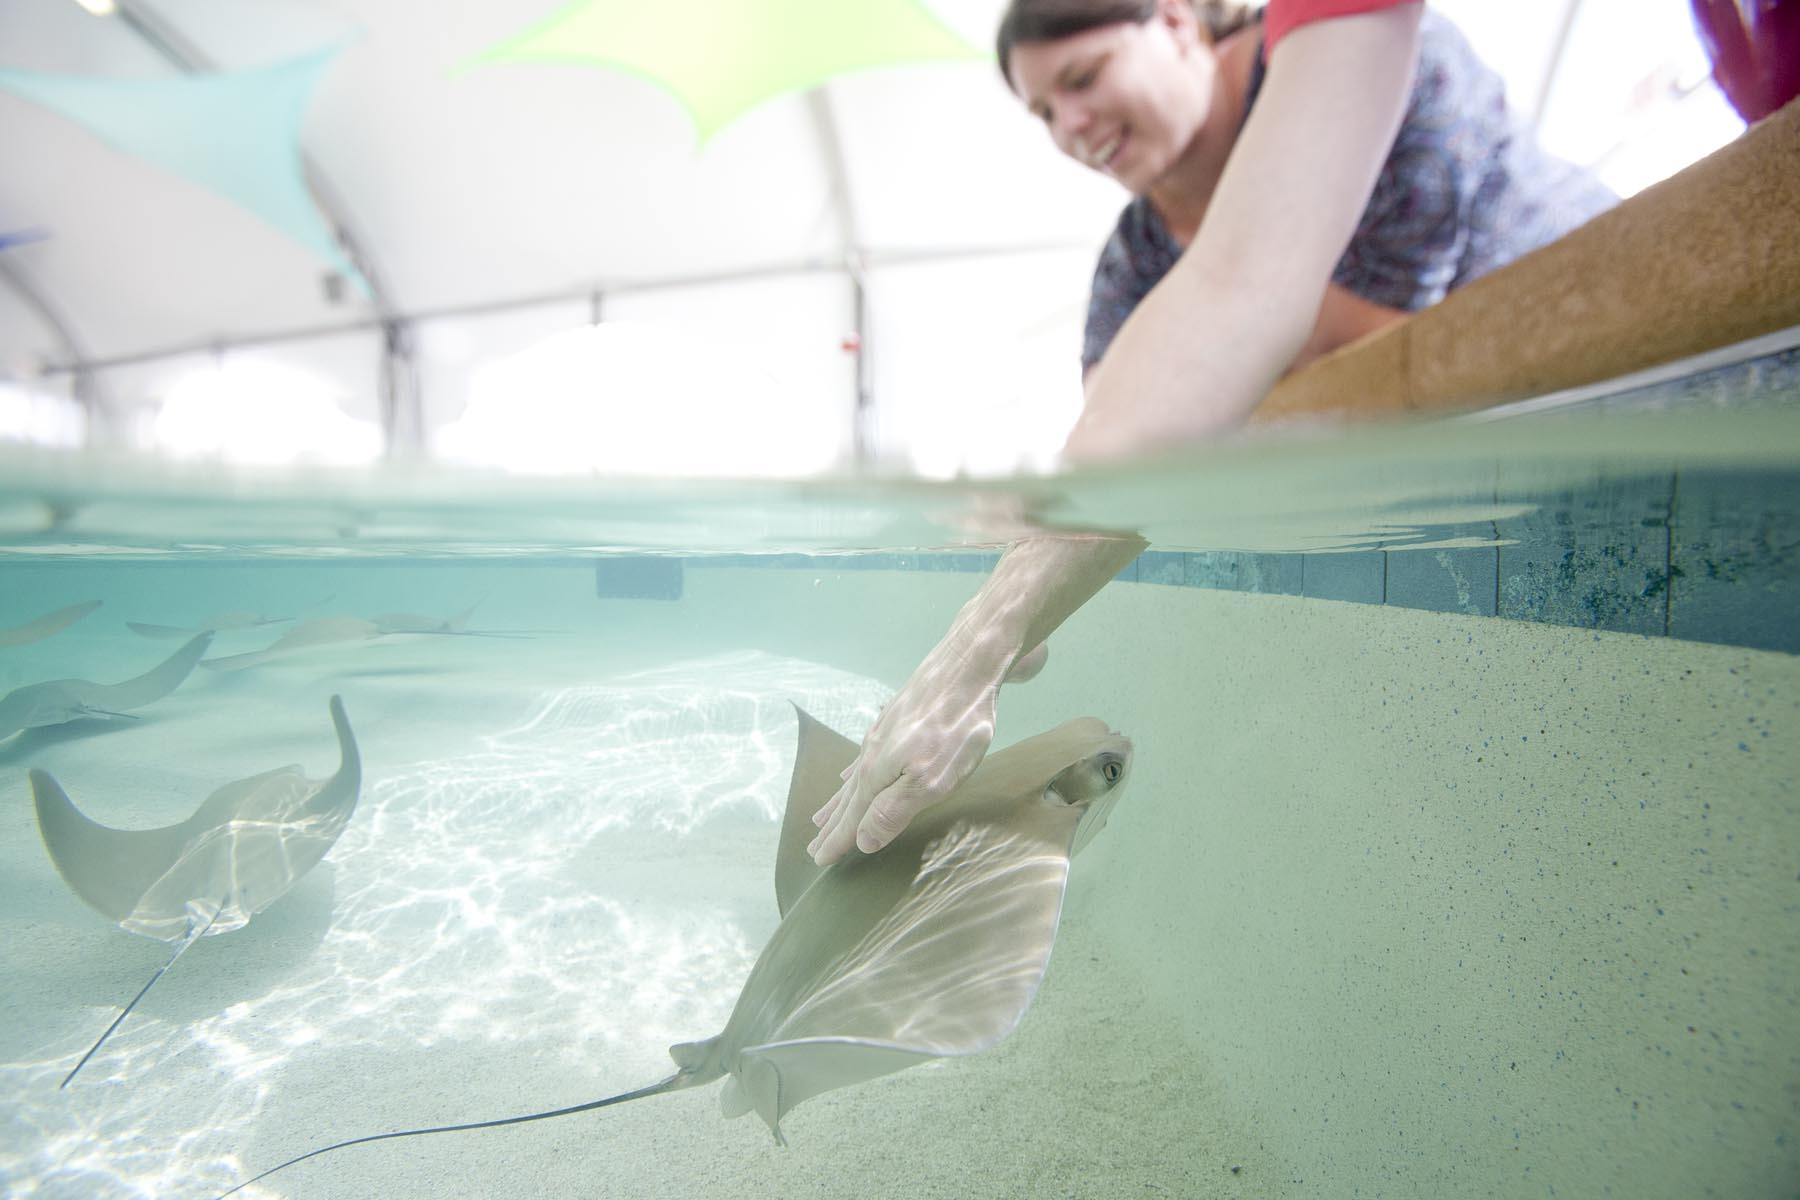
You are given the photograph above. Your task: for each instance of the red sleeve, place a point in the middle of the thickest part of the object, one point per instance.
(1282, 17)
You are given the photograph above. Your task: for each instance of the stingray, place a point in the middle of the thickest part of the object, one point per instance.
(319, 631)
(404, 622)
(244, 846)
(420, 623)
(931, 948)
(225, 620)
(49, 623)
(60, 700)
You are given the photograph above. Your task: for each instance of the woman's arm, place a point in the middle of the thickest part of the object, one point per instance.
(1343, 318)
(1195, 356)
(1236, 309)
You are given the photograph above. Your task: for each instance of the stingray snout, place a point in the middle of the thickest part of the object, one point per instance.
(1092, 784)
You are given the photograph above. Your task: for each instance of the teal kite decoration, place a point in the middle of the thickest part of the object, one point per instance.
(722, 58)
(237, 134)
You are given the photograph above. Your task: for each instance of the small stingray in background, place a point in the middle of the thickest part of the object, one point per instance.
(320, 631)
(931, 948)
(245, 845)
(223, 621)
(49, 623)
(60, 700)
(420, 623)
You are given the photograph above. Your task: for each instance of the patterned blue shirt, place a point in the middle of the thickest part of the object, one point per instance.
(1464, 190)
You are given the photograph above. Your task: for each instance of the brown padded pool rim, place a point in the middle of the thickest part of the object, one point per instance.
(1707, 258)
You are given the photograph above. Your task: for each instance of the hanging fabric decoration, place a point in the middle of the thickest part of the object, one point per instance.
(722, 58)
(236, 133)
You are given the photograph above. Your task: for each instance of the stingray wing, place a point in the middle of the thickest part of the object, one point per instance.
(317, 632)
(771, 1080)
(246, 845)
(252, 841)
(819, 760)
(152, 685)
(163, 632)
(947, 970)
(108, 868)
(44, 626)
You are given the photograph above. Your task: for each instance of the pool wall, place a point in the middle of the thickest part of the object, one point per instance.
(1445, 905)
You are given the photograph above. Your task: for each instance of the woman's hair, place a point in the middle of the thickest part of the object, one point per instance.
(1048, 20)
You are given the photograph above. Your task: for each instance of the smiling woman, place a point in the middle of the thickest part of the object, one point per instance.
(1154, 93)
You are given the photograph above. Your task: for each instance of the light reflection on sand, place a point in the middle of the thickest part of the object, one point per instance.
(582, 887)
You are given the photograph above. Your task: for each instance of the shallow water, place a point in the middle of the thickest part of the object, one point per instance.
(1399, 902)
(1303, 490)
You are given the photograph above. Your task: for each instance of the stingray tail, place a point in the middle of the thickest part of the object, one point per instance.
(194, 932)
(674, 1083)
(88, 710)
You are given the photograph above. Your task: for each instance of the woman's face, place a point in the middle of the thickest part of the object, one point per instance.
(1125, 99)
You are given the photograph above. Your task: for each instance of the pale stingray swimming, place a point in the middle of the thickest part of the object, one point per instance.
(453, 626)
(320, 631)
(49, 623)
(59, 700)
(244, 846)
(226, 621)
(932, 948)
(406, 622)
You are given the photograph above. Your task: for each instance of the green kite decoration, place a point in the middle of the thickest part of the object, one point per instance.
(722, 58)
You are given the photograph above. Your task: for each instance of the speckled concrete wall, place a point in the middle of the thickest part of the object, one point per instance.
(1454, 906)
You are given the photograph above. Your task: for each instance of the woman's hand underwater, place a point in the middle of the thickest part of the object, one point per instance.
(928, 739)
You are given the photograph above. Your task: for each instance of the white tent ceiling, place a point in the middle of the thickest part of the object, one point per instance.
(497, 204)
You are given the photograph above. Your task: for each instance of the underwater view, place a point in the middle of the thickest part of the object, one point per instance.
(1451, 846)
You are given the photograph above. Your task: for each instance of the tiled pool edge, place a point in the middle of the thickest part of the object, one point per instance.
(1643, 556)
(1657, 575)
(1703, 556)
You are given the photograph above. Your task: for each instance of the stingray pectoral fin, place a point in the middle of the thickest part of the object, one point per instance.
(88, 710)
(254, 838)
(692, 1056)
(772, 1079)
(455, 624)
(144, 629)
(153, 684)
(952, 968)
(237, 662)
(108, 868)
(338, 794)
(820, 756)
(49, 623)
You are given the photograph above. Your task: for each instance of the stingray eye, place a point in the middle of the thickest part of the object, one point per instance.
(1112, 769)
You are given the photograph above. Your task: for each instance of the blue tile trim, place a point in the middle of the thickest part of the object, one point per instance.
(1598, 558)
(1359, 576)
(1461, 579)
(1237, 571)
(1735, 559)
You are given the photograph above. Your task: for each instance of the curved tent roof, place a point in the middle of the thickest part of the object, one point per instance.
(893, 260)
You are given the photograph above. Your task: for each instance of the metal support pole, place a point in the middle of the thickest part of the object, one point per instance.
(862, 415)
(402, 411)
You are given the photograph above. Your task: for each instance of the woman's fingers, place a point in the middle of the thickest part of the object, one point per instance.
(890, 812)
(839, 834)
